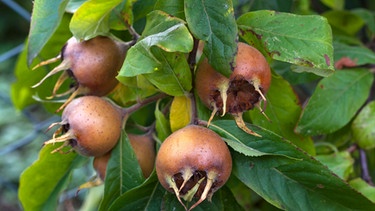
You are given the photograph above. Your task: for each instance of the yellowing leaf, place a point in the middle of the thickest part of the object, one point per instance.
(180, 114)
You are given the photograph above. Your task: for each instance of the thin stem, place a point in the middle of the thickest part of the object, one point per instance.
(192, 64)
(129, 110)
(364, 167)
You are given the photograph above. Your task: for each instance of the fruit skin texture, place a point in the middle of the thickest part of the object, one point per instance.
(144, 148)
(91, 125)
(94, 63)
(189, 154)
(251, 72)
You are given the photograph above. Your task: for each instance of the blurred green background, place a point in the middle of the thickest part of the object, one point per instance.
(21, 132)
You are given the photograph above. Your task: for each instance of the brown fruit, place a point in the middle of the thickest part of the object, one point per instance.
(90, 124)
(144, 148)
(93, 64)
(100, 165)
(193, 162)
(244, 89)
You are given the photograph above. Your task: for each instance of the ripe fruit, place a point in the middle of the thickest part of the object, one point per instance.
(93, 65)
(193, 162)
(243, 90)
(100, 165)
(144, 149)
(90, 124)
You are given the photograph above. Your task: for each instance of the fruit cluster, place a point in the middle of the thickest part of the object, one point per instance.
(193, 162)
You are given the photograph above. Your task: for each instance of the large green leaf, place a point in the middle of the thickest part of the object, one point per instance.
(122, 16)
(249, 145)
(174, 78)
(162, 31)
(304, 40)
(363, 127)
(175, 8)
(335, 101)
(158, 55)
(213, 21)
(368, 17)
(45, 19)
(344, 22)
(92, 18)
(283, 110)
(153, 196)
(123, 172)
(301, 183)
(46, 178)
(144, 197)
(363, 187)
(341, 163)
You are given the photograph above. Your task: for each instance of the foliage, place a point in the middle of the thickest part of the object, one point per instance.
(301, 162)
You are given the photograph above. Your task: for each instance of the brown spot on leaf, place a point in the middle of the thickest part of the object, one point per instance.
(304, 62)
(321, 186)
(328, 60)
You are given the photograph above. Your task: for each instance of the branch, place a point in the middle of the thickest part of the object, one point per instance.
(364, 167)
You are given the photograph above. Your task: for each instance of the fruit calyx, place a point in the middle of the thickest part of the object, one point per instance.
(243, 90)
(193, 162)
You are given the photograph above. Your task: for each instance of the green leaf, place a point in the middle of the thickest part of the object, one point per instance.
(363, 127)
(247, 144)
(213, 21)
(175, 8)
(334, 4)
(122, 16)
(368, 17)
(145, 197)
(123, 172)
(344, 22)
(92, 18)
(21, 91)
(364, 188)
(335, 101)
(283, 110)
(358, 54)
(132, 89)
(340, 163)
(174, 76)
(45, 19)
(162, 127)
(304, 40)
(162, 33)
(43, 181)
(302, 183)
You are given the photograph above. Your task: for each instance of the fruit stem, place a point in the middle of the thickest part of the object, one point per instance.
(129, 110)
(192, 64)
